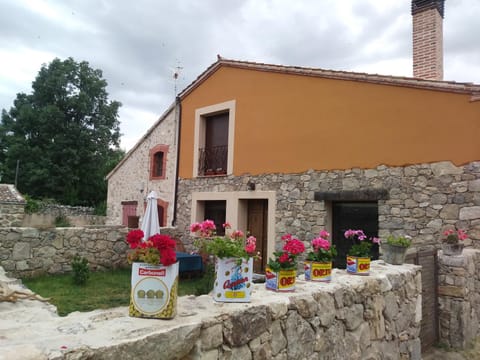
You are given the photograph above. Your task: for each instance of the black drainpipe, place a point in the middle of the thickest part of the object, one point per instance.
(178, 105)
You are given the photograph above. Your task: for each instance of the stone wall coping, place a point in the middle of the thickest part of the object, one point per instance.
(461, 260)
(33, 328)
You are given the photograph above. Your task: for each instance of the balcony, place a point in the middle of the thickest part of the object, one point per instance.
(213, 161)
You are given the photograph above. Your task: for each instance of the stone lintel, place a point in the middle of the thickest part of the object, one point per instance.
(352, 195)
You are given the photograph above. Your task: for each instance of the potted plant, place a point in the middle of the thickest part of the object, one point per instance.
(358, 256)
(281, 271)
(394, 248)
(234, 253)
(318, 265)
(154, 275)
(452, 244)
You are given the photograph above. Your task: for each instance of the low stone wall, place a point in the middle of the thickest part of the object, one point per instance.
(353, 317)
(40, 220)
(459, 298)
(11, 214)
(33, 251)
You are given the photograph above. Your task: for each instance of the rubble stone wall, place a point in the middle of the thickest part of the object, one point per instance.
(459, 298)
(353, 317)
(32, 251)
(421, 199)
(11, 214)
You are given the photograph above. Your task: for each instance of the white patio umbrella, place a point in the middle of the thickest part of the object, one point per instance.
(150, 224)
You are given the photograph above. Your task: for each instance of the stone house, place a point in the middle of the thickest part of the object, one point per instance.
(149, 165)
(282, 149)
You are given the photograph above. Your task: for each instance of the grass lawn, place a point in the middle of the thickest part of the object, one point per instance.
(102, 290)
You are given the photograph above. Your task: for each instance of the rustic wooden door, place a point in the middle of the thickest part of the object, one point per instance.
(429, 328)
(129, 209)
(257, 226)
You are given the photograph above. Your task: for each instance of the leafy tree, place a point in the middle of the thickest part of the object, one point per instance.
(64, 135)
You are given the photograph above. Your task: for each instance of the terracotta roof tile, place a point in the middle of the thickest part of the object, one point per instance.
(448, 86)
(8, 194)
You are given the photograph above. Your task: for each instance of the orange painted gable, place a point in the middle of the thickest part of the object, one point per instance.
(289, 123)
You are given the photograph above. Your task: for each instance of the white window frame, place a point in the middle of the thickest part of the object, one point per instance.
(199, 135)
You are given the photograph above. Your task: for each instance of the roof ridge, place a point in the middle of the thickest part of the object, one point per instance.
(441, 85)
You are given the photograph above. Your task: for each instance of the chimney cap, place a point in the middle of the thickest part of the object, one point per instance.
(419, 6)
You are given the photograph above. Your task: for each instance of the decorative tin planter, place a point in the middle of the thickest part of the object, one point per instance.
(318, 271)
(233, 280)
(154, 291)
(358, 265)
(394, 254)
(282, 281)
(452, 249)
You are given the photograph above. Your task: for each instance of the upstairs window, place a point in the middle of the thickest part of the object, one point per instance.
(214, 139)
(213, 156)
(158, 162)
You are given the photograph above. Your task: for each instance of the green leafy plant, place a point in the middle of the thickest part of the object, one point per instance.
(81, 271)
(32, 205)
(205, 284)
(101, 208)
(454, 237)
(234, 244)
(157, 249)
(403, 241)
(361, 244)
(323, 250)
(287, 258)
(62, 221)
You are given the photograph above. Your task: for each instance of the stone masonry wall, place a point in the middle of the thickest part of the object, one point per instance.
(459, 298)
(11, 214)
(33, 251)
(423, 199)
(131, 181)
(353, 317)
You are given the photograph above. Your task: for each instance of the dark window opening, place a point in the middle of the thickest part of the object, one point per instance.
(216, 211)
(355, 216)
(214, 156)
(158, 164)
(161, 213)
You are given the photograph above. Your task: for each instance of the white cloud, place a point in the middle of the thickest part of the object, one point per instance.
(137, 44)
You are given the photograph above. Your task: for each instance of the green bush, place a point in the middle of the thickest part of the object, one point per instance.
(32, 205)
(101, 209)
(81, 271)
(205, 284)
(62, 221)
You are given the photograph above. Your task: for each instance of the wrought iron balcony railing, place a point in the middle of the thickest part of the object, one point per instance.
(213, 161)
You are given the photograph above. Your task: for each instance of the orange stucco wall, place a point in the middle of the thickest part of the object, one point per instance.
(291, 123)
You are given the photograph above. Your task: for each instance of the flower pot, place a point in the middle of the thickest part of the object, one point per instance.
(452, 249)
(154, 291)
(233, 280)
(281, 281)
(318, 271)
(394, 254)
(358, 265)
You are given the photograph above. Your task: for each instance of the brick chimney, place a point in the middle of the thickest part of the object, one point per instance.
(428, 39)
